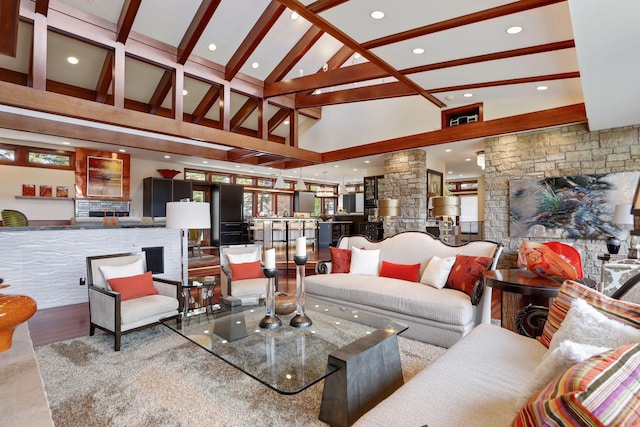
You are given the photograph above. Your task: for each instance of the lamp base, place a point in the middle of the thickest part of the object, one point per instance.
(300, 321)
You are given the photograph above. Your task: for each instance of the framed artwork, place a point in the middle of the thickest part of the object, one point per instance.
(569, 207)
(434, 183)
(104, 177)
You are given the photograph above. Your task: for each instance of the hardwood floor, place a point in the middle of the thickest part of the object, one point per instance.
(72, 321)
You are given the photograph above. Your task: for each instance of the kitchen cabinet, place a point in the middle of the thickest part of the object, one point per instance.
(158, 191)
(226, 214)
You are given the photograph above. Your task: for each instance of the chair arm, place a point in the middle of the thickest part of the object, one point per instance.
(323, 267)
(104, 308)
(166, 287)
(225, 281)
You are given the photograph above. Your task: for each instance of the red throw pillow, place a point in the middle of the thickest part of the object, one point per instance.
(466, 271)
(246, 270)
(407, 272)
(340, 260)
(133, 286)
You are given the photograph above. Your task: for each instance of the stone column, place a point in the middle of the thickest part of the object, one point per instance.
(405, 179)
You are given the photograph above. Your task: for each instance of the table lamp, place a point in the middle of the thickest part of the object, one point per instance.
(386, 209)
(623, 218)
(447, 208)
(183, 216)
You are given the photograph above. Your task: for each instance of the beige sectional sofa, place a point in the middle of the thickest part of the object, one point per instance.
(436, 316)
(589, 374)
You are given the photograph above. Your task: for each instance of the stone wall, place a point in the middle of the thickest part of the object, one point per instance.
(567, 150)
(405, 178)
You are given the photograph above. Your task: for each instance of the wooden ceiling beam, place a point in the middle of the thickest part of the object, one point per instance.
(9, 19)
(523, 122)
(341, 36)
(472, 18)
(125, 20)
(280, 116)
(161, 92)
(196, 28)
(253, 39)
(243, 113)
(105, 78)
(395, 90)
(42, 6)
(206, 103)
(239, 154)
(322, 5)
(298, 51)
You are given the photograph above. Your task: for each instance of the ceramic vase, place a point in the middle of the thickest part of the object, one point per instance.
(613, 245)
(14, 310)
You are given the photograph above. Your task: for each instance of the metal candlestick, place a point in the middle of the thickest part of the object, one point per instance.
(300, 320)
(271, 320)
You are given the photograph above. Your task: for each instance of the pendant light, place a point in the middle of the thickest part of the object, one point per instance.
(342, 189)
(300, 185)
(279, 185)
(324, 191)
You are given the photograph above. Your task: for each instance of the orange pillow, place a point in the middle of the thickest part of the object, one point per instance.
(340, 260)
(133, 286)
(407, 272)
(246, 270)
(466, 272)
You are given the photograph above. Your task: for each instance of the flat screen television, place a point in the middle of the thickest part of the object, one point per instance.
(304, 201)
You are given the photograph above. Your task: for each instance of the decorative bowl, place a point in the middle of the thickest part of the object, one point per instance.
(168, 173)
(285, 303)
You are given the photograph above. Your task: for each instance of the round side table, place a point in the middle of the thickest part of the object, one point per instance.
(519, 288)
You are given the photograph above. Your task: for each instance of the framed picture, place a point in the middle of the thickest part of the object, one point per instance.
(434, 184)
(104, 177)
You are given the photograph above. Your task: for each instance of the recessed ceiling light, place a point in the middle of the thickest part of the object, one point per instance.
(317, 91)
(450, 172)
(122, 150)
(336, 166)
(355, 169)
(212, 47)
(66, 143)
(367, 161)
(542, 87)
(448, 150)
(467, 160)
(418, 50)
(237, 166)
(185, 92)
(377, 14)
(513, 30)
(449, 97)
(205, 161)
(357, 55)
(72, 60)
(294, 16)
(468, 95)
(255, 65)
(286, 122)
(167, 157)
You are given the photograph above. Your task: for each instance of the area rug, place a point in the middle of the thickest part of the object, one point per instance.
(161, 379)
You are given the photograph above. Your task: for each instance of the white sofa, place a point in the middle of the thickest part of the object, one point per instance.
(436, 316)
(490, 374)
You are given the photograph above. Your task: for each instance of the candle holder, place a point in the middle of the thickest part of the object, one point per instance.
(271, 320)
(300, 320)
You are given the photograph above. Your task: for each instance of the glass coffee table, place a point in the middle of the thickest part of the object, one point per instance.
(289, 360)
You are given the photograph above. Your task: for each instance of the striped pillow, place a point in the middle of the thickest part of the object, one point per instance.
(603, 390)
(622, 311)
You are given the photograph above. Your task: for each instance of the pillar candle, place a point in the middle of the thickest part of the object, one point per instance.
(270, 259)
(301, 246)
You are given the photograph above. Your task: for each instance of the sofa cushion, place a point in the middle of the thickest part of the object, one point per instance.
(466, 271)
(150, 306)
(242, 258)
(408, 272)
(127, 270)
(340, 260)
(366, 262)
(623, 311)
(442, 305)
(249, 288)
(133, 286)
(601, 391)
(437, 271)
(246, 270)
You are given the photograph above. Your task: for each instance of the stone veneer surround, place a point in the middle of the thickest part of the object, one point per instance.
(566, 150)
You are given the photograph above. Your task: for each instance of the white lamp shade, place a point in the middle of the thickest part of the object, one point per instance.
(622, 215)
(184, 215)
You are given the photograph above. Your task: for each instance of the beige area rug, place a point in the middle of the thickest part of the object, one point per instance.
(161, 379)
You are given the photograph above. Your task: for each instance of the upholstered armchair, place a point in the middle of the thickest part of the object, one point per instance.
(241, 271)
(124, 297)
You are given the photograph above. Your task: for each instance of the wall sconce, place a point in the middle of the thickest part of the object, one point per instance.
(480, 159)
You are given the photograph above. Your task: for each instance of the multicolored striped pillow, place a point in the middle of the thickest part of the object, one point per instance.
(604, 390)
(622, 311)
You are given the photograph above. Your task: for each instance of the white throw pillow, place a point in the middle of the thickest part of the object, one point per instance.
(365, 262)
(554, 363)
(437, 271)
(113, 271)
(242, 258)
(586, 325)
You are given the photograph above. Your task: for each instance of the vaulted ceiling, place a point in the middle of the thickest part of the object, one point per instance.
(243, 81)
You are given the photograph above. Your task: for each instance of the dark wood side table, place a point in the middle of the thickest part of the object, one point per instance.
(520, 288)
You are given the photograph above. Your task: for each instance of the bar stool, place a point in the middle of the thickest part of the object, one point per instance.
(310, 232)
(278, 232)
(256, 231)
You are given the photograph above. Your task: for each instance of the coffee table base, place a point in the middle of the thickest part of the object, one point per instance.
(369, 371)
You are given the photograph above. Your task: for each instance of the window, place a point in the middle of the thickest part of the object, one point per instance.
(284, 205)
(7, 154)
(37, 157)
(198, 196)
(247, 205)
(244, 180)
(265, 204)
(49, 158)
(219, 178)
(264, 182)
(196, 176)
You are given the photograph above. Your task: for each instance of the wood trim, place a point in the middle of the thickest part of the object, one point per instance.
(196, 28)
(519, 123)
(9, 19)
(298, 51)
(446, 114)
(127, 17)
